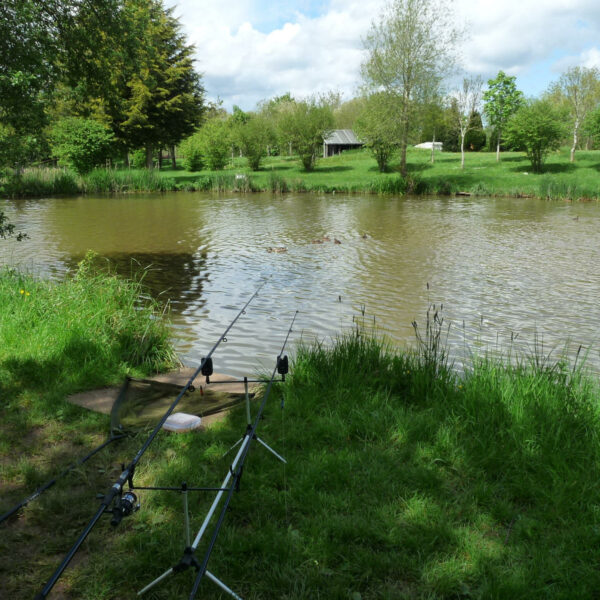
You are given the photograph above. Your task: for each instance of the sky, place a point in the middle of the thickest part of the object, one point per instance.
(252, 50)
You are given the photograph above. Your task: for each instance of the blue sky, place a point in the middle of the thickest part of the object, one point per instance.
(251, 50)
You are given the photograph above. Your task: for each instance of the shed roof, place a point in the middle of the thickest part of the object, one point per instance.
(342, 136)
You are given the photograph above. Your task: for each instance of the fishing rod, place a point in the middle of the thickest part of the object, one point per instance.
(126, 504)
(50, 483)
(234, 476)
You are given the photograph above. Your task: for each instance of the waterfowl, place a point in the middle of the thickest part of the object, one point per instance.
(278, 250)
(336, 241)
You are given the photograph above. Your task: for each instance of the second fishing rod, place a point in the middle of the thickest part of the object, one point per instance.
(123, 505)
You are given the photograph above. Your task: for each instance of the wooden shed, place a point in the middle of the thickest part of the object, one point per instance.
(340, 140)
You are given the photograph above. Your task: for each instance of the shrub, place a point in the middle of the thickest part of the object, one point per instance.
(215, 144)
(536, 128)
(191, 149)
(81, 143)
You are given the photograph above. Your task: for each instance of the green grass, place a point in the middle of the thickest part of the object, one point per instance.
(404, 481)
(351, 172)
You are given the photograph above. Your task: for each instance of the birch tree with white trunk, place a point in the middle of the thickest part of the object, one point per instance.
(579, 89)
(467, 100)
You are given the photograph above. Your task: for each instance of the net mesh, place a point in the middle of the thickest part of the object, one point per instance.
(141, 403)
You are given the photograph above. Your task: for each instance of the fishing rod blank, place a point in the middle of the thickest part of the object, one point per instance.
(116, 490)
(235, 473)
(50, 483)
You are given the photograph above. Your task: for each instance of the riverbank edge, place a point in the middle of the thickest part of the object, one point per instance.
(64, 183)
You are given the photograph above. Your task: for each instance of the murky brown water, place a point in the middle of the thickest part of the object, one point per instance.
(501, 267)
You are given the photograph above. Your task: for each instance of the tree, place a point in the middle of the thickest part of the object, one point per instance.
(164, 100)
(467, 100)
(191, 148)
(536, 128)
(411, 49)
(591, 125)
(502, 99)
(433, 123)
(215, 142)
(475, 138)
(378, 129)
(81, 143)
(579, 89)
(252, 137)
(347, 113)
(137, 75)
(304, 124)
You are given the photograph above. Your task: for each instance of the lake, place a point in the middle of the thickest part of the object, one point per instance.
(524, 272)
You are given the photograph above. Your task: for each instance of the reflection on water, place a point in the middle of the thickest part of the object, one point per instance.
(501, 267)
(175, 278)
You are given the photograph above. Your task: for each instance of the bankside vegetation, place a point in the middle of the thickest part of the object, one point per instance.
(404, 479)
(351, 172)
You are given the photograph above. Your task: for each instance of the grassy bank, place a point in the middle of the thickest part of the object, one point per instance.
(56, 339)
(351, 172)
(403, 481)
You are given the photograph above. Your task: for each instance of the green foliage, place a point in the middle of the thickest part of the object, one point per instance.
(411, 48)
(81, 143)
(537, 129)
(215, 144)
(18, 149)
(138, 158)
(502, 99)
(191, 149)
(591, 124)
(252, 137)
(475, 137)
(304, 124)
(379, 128)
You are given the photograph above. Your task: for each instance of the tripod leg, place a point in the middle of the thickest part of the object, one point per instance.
(222, 585)
(271, 450)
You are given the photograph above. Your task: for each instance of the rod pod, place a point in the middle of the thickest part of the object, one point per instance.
(127, 475)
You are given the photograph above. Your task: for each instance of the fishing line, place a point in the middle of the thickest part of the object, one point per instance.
(115, 493)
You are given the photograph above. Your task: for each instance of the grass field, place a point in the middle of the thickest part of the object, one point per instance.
(353, 171)
(404, 480)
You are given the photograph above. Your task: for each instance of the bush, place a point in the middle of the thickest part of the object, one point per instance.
(81, 143)
(537, 128)
(191, 149)
(215, 144)
(138, 159)
(252, 138)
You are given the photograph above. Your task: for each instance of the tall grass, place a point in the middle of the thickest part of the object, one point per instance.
(101, 181)
(40, 182)
(86, 331)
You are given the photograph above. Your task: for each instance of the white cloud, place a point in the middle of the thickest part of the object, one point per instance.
(588, 58)
(244, 60)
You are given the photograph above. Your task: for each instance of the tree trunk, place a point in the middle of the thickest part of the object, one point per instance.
(126, 160)
(575, 132)
(149, 157)
(173, 157)
(160, 153)
(462, 150)
(433, 148)
(498, 148)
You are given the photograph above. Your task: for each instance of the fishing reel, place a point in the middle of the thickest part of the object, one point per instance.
(124, 506)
